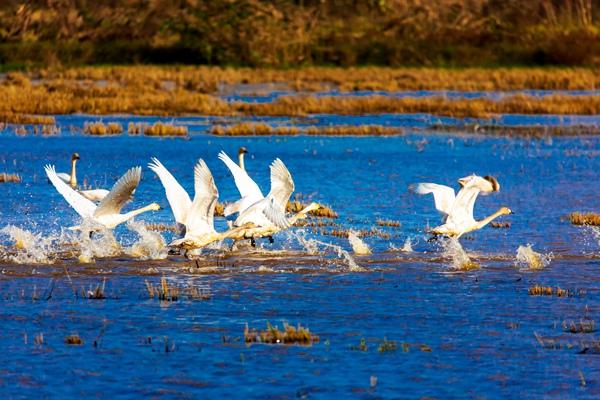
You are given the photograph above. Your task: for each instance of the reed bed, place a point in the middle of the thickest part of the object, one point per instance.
(262, 129)
(160, 129)
(578, 218)
(9, 178)
(101, 129)
(388, 223)
(272, 335)
(539, 290)
(26, 119)
(323, 211)
(532, 131)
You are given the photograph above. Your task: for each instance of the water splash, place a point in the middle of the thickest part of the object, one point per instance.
(312, 247)
(527, 258)
(460, 259)
(150, 246)
(101, 243)
(29, 247)
(406, 247)
(358, 246)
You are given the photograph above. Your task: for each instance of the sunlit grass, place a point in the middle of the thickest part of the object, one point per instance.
(578, 218)
(272, 335)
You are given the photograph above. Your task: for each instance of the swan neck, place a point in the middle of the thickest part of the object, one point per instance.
(241, 161)
(300, 214)
(73, 179)
(139, 211)
(485, 221)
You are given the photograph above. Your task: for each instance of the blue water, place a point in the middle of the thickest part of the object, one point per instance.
(480, 325)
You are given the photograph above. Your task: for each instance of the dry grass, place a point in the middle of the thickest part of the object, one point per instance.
(582, 326)
(169, 293)
(261, 129)
(160, 129)
(390, 223)
(500, 225)
(100, 129)
(577, 218)
(25, 119)
(272, 335)
(527, 131)
(538, 290)
(73, 340)
(161, 227)
(9, 178)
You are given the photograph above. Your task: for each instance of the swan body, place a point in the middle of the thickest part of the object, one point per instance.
(199, 217)
(457, 210)
(94, 194)
(107, 213)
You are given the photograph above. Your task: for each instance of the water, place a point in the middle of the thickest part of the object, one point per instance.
(479, 323)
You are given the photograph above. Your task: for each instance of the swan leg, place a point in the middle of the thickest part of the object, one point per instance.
(252, 242)
(91, 234)
(433, 238)
(271, 240)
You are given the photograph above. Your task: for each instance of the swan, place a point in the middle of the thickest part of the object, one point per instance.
(107, 213)
(199, 217)
(457, 210)
(250, 193)
(266, 215)
(71, 180)
(241, 152)
(178, 198)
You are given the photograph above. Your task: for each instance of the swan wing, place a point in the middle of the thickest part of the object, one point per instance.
(66, 178)
(246, 186)
(200, 217)
(462, 209)
(274, 214)
(282, 185)
(443, 195)
(84, 207)
(120, 193)
(177, 197)
(94, 194)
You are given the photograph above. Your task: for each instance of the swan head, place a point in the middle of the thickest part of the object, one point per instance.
(154, 207)
(493, 181)
(242, 150)
(312, 207)
(75, 157)
(505, 211)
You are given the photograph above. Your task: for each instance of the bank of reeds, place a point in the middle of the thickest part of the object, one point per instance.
(538, 290)
(101, 129)
(9, 117)
(262, 129)
(578, 218)
(165, 129)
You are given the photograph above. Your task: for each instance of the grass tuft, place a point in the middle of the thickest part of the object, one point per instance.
(272, 335)
(577, 218)
(73, 340)
(9, 178)
(100, 129)
(538, 290)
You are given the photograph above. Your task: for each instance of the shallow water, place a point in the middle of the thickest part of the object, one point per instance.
(480, 325)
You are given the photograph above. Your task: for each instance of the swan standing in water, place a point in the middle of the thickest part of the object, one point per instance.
(107, 213)
(262, 216)
(71, 180)
(457, 210)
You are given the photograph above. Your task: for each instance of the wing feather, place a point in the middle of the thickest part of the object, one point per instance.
(84, 207)
(443, 195)
(178, 198)
(249, 190)
(200, 218)
(120, 194)
(282, 185)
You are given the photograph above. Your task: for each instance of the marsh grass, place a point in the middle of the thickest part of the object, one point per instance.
(518, 131)
(73, 340)
(162, 129)
(272, 335)
(388, 223)
(101, 129)
(578, 218)
(26, 119)
(387, 346)
(96, 293)
(500, 225)
(9, 178)
(295, 206)
(170, 293)
(582, 326)
(262, 129)
(538, 290)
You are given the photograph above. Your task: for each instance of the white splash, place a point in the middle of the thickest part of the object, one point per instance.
(29, 247)
(527, 258)
(460, 259)
(312, 247)
(150, 246)
(358, 246)
(406, 247)
(102, 243)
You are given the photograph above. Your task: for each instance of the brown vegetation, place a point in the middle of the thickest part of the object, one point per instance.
(160, 129)
(258, 129)
(8, 117)
(323, 211)
(538, 290)
(500, 225)
(100, 129)
(272, 335)
(577, 218)
(390, 223)
(169, 293)
(531, 131)
(12, 178)
(287, 33)
(73, 340)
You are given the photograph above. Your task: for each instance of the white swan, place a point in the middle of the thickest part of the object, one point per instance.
(107, 213)
(178, 198)
(241, 152)
(263, 216)
(457, 211)
(249, 191)
(199, 220)
(71, 180)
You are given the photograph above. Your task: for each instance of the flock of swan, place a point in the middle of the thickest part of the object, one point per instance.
(256, 215)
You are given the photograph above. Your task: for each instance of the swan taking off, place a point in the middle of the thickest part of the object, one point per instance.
(198, 218)
(71, 180)
(457, 210)
(107, 213)
(262, 216)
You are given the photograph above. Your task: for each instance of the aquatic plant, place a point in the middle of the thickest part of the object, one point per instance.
(390, 223)
(272, 335)
(387, 345)
(100, 129)
(590, 218)
(161, 129)
(26, 119)
(260, 129)
(73, 340)
(500, 225)
(13, 178)
(538, 290)
(362, 346)
(324, 211)
(172, 293)
(581, 326)
(97, 293)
